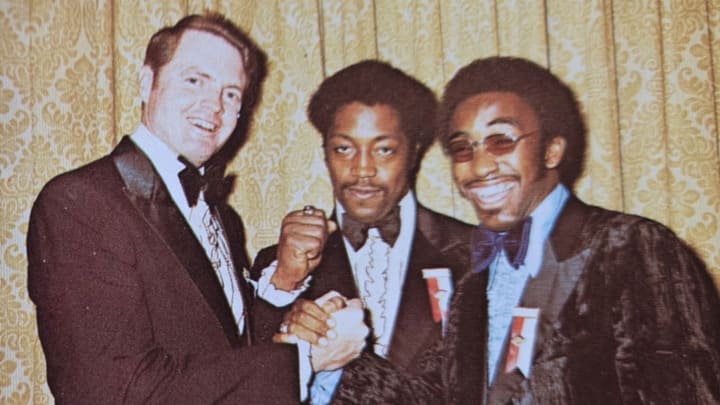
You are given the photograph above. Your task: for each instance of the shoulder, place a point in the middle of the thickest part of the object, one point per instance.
(581, 226)
(77, 187)
(624, 228)
(634, 248)
(448, 237)
(433, 223)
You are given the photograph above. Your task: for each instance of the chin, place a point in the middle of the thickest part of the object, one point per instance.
(364, 214)
(497, 221)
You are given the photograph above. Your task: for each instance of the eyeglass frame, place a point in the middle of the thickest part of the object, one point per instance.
(475, 144)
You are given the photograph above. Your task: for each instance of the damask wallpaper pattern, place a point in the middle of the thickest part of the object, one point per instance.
(646, 72)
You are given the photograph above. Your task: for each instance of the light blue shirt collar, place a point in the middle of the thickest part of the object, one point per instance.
(544, 218)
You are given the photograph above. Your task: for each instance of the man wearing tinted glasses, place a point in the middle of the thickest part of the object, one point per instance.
(566, 303)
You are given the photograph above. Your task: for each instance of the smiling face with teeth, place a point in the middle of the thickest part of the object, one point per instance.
(504, 189)
(369, 160)
(192, 102)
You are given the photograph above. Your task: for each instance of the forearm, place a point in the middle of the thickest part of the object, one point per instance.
(371, 379)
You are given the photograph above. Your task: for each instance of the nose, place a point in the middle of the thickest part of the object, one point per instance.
(364, 165)
(483, 163)
(212, 99)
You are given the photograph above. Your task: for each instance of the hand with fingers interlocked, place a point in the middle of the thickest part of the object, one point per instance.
(332, 324)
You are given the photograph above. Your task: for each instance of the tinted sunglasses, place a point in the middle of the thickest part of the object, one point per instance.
(463, 150)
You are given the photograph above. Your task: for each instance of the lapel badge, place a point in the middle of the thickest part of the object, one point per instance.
(440, 290)
(523, 333)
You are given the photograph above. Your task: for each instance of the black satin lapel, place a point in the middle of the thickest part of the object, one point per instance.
(334, 272)
(172, 227)
(470, 349)
(415, 328)
(149, 195)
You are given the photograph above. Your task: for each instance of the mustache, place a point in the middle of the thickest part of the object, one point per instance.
(362, 184)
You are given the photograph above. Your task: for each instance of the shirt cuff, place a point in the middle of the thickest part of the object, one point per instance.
(276, 296)
(305, 368)
(324, 386)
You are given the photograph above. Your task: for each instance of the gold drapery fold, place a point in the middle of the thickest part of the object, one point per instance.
(647, 74)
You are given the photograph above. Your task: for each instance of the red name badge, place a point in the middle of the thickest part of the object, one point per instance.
(522, 340)
(440, 290)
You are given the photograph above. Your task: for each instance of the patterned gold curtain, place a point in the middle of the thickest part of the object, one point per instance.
(647, 73)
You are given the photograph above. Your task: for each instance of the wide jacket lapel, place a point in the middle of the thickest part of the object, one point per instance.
(146, 191)
(563, 264)
(415, 328)
(334, 272)
(467, 340)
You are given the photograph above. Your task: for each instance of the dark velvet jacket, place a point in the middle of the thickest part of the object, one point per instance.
(128, 306)
(439, 241)
(629, 315)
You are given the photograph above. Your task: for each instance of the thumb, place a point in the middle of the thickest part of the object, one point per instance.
(284, 338)
(332, 226)
(355, 303)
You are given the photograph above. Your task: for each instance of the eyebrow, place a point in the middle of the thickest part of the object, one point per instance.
(495, 121)
(198, 71)
(457, 134)
(505, 120)
(378, 138)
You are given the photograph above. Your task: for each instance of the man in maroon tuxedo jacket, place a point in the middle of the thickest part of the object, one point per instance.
(566, 303)
(376, 123)
(137, 265)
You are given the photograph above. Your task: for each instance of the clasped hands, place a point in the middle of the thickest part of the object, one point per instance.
(332, 324)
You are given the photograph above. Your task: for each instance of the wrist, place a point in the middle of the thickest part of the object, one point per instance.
(284, 282)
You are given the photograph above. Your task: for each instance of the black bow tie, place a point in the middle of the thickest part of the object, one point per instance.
(487, 245)
(356, 232)
(212, 182)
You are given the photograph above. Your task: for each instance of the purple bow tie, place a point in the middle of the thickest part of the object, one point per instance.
(487, 245)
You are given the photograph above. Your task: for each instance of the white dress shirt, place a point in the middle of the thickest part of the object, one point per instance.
(168, 166)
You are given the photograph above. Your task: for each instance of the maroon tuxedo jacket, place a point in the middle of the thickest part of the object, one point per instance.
(128, 306)
(439, 241)
(629, 315)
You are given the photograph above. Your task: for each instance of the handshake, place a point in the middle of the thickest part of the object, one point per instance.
(332, 325)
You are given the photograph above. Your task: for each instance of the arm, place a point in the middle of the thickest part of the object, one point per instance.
(97, 330)
(282, 271)
(667, 320)
(371, 379)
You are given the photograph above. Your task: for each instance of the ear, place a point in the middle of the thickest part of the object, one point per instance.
(146, 78)
(415, 156)
(416, 153)
(554, 152)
